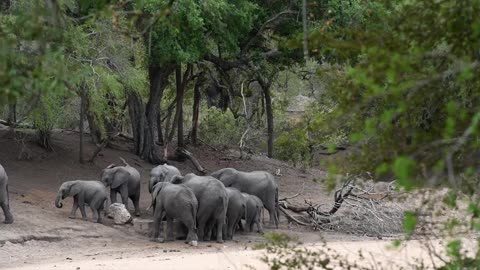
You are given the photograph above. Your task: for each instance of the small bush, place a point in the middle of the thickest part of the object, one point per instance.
(293, 146)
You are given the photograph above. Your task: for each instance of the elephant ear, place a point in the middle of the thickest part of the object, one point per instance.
(120, 177)
(74, 189)
(177, 179)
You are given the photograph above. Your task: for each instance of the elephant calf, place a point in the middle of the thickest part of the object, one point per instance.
(253, 213)
(124, 180)
(175, 202)
(235, 210)
(4, 200)
(90, 193)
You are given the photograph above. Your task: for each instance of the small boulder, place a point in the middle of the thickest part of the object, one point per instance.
(119, 213)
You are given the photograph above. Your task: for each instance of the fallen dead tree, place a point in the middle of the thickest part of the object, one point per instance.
(365, 211)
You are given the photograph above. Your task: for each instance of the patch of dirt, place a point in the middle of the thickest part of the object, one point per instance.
(43, 233)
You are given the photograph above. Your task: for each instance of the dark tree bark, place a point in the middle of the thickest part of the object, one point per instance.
(144, 120)
(196, 108)
(136, 112)
(12, 113)
(268, 105)
(266, 84)
(181, 84)
(80, 125)
(180, 94)
(159, 129)
(158, 81)
(95, 132)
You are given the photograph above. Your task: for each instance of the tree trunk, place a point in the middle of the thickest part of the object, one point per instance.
(12, 113)
(143, 121)
(159, 129)
(179, 118)
(196, 108)
(95, 131)
(80, 125)
(136, 112)
(268, 105)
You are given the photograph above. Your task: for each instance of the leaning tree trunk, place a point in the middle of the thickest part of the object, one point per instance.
(268, 105)
(95, 132)
(144, 120)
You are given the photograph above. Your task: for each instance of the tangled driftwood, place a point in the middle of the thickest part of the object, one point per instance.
(365, 211)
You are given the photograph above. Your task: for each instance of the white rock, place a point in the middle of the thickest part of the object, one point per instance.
(119, 213)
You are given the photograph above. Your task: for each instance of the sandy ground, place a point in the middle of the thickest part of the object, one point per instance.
(42, 236)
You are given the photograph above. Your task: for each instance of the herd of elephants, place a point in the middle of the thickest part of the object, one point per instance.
(210, 207)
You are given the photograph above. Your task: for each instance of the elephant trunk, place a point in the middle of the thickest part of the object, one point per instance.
(58, 204)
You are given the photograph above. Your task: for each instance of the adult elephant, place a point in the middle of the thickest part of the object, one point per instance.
(212, 203)
(162, 173)
(91, 193)
(124, 180)
(4, 199)
(175, 202)
(235, 211)
(259, 183)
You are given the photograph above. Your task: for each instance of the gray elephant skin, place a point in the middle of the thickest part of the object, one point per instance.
(124, 180)
(162, 173)
(235, 211)
(91, 193)
(4, 199)
(253, 213)
(175, 202)
(212, 204)
(259, 183)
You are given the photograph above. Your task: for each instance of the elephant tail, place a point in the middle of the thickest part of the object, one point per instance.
(277, 209)
(154, 197)
(194, 215)
(124, 162)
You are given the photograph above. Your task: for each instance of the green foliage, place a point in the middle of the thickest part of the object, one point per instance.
(220, 128)
(408, 97)
(31, 52)
(293, 146)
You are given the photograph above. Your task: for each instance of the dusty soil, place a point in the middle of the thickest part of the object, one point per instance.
(42, 235)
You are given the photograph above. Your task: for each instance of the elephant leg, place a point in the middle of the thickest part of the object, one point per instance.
(192, 237)
(170, 236)
(136, 199)
(201, 228)
(6, 211)
(273, 214)
(100, 210)
(240, 225)
(73, 213)
(113, 196)
(220, 223)
(124, 195)
(81, 204)
(209, 230)
(259, 225)
(157, 224)
(94, 213)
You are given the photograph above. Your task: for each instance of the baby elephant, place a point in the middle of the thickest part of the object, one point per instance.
(254, 212)
(83, 192)
(175, 202)
(124, 180)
